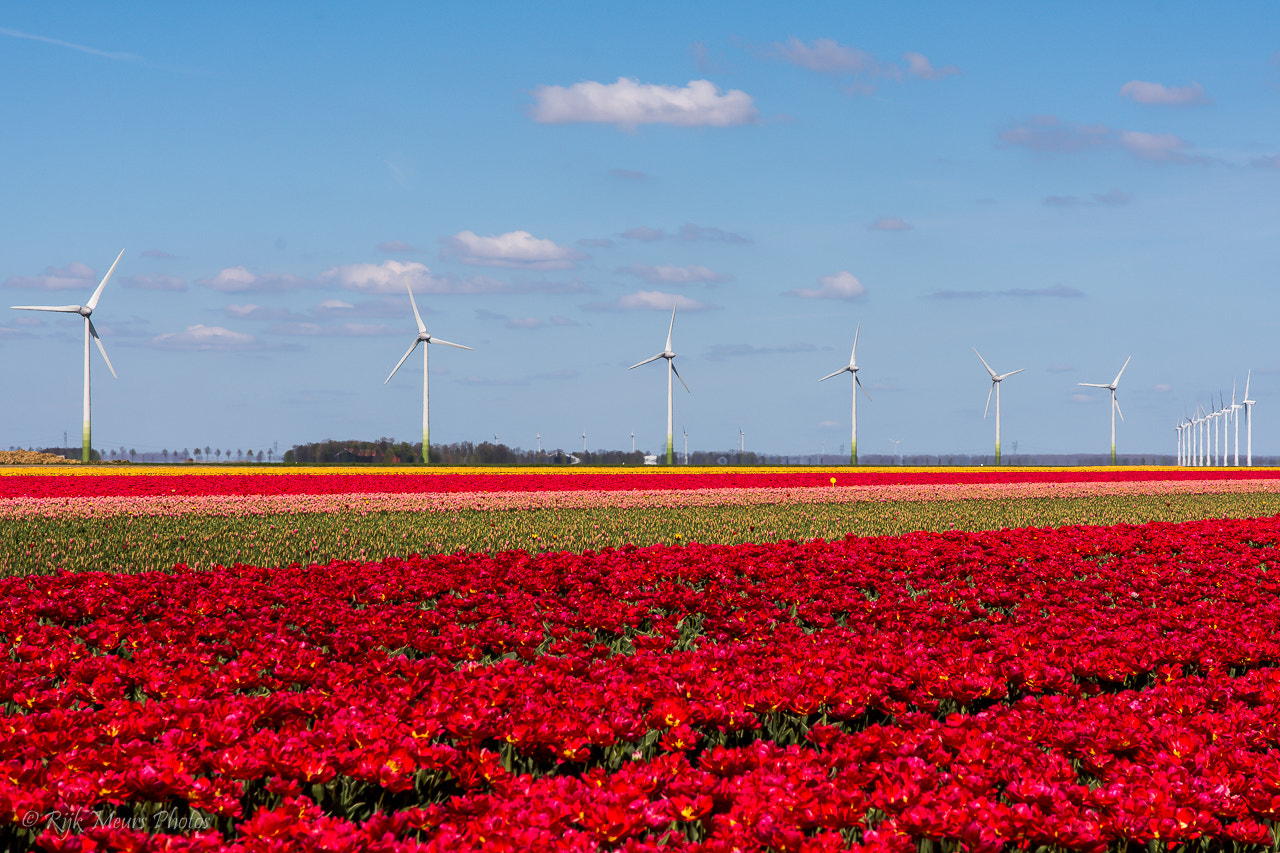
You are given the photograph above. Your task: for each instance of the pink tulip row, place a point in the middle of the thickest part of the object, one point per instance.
(241, 505)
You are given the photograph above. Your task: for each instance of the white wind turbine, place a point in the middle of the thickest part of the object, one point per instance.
(633, 441)
(85, 311)
(426, 340)
(995, 386)
(686, 444)
(1235, 420)
(671, 368)
(1115, 404)
(1248, 422)
(852, 369)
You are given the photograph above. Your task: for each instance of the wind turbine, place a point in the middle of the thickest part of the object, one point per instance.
(671, 368)
(686, 445)
(539, 442)
(85, 311)
(633, 441)
(896, 442)
(426, 340)
(1115, 404)
(1235, 419)
(995, 386)
(852, 369)
(1248, 422)
(584, 441)
(742, 440)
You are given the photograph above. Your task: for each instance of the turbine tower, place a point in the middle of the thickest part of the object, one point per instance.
(995, 386)
(1248, 422)
(426, 340)
(1115, 404)
(85, 311)
(1235, 420)
(852, 369)
(671, 369)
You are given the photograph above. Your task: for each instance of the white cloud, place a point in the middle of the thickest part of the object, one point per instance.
(517, 249)
(840, 285)
(889, 223)
(240, 280)
(649, 300)
(395, 276)
(671, 274)
(205, 338)
(344, 330)
(1164, 387)
(1156, 93)
(628, 103)
(73, 276)
(919, 66)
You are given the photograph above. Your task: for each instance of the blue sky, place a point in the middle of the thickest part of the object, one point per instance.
(1060, 185)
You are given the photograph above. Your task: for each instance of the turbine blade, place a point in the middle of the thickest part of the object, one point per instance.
(837, 373)
(1116, 403)
(646, 361)
(416, 316)
(416, 341)
(678, 376)
(1093, 384)
(984, 362)
(93, 300)
(447, 343)
(1011, 373)
(988, 406)
(671, 327)
(65, 309)
(93, 333)
(1247, 377)
(863, 387)
(1116, 381)
(854, 354)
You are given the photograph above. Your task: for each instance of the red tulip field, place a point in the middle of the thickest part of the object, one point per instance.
(1032, 686)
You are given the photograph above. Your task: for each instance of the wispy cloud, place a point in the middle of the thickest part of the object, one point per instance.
(671, 274)
(1051, 134)
(1057, 291)
(396, 247)
(628, 175)
(842, 285)
(1268, 162)
(93, 51)
(1157, 93)
(1114, 198)
(691, 233)
(200, 338)
(74, 275)
(827, 56)
(889, 223)
(156, 282)
(644, 234)
(396, 276)
(515, 249)
(241, 280)
(720, 352)
(649, 300)
(629, 103)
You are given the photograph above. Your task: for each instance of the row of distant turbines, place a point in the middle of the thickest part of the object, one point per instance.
(1193, 433)
(1199, 443)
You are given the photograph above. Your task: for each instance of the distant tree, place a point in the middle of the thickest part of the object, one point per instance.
(165, 454)
(270, 453)
(217, 454)
(206, 451)
(259, 455)
(133, 454)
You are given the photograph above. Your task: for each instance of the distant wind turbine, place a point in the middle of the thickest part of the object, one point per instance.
(539, 442)
(686, 444)
(426, 340)
(584, 441)
(1235, 420)
(633, 441)
(852, 369)
(1248, 422)
(995, 386)
(1115, 404)
(669, 355)
(85, 311)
